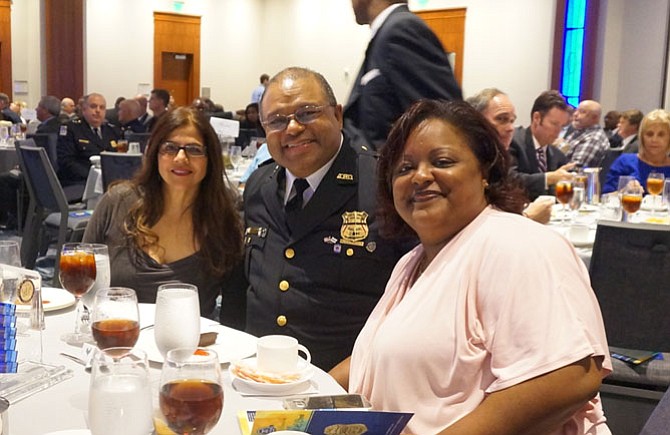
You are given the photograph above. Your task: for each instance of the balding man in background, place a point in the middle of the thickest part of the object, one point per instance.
(588, 141)
(129, 117)
(143, 101)
(47, 112)
(67, 110)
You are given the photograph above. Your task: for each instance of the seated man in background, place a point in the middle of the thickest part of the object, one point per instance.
(82, 138)
(540, 164)
(47, 112)
(588, 142)
(626, 138)
(129, 117)
(144, 115)
(7, 113)
(611, 121)
(498, 109)
(159, 101)
(67, 110)
(314, 259)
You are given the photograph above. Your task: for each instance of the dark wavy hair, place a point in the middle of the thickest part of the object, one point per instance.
(217, 227)
(482, 138)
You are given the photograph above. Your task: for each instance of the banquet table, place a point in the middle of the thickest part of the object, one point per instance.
(64, 405)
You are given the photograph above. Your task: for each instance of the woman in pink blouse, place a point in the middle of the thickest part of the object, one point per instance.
(490, 324)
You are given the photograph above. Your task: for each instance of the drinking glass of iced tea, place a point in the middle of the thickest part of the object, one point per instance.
(631, 199)
(76, 270)
(115, 318)
(564, 192)
(191, 394)
(655, 182)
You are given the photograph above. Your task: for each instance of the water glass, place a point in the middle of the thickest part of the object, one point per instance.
(120, 393)
(4, 135)
(177, 321)
(103, 272)
(191, 395)
(10, 253)
(666, 193)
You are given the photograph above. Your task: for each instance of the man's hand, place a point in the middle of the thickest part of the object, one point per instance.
(559, 174)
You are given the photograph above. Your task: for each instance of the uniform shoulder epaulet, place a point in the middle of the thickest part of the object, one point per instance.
(266, 162)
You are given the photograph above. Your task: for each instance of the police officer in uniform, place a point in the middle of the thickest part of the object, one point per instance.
(82, 138)
(315, 262)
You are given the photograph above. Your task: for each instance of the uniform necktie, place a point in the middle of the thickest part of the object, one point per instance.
(97, 132)
(295, 203)
(541, 160)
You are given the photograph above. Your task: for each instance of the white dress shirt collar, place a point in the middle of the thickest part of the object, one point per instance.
(379, 19)
(314, 179)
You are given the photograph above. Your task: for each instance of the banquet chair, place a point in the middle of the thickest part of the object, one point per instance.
(630, 272)
(609, 158)
(118, 166)
(49, 212)
(659, 421)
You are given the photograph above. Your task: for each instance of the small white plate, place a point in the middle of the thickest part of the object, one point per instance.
(230, 345)
(52, 299)
(582, 243)
(304, 369)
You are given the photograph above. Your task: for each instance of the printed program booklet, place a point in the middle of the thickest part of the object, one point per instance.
(323, 422)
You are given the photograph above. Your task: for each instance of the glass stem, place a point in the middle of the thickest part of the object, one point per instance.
(80, 324)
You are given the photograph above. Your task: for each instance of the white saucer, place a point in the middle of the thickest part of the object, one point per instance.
(71, 432)
(304, 370)
(230, 344)
(582, 243)
(52, 299)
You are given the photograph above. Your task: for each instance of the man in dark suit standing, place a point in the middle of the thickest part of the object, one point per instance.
(540, 164)
(315, 262)
(82, 138)
(404, 62)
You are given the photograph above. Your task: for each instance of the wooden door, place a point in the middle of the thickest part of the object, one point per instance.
(177, 55)
(449, 26)
(6, 47)
(64, 48)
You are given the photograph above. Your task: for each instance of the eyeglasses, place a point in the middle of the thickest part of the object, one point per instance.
(304, 115)
(191, 149)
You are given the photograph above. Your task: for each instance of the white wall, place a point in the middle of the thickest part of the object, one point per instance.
(26, 47)
(508, 45)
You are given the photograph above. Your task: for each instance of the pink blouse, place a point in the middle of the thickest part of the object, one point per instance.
(505, 300)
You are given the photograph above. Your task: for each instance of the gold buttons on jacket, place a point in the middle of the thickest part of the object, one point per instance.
(283, 285)
(350, 252)
(281, 320)
(289, 253)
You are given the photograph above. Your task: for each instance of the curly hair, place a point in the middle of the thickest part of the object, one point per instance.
(217, 227)
(482, 139)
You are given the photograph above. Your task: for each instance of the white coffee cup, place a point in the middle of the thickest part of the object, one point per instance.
(579, 233)
(134, 148)
(279, 354)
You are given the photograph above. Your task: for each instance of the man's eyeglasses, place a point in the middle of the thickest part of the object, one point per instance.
(191, 149)
(304, 115)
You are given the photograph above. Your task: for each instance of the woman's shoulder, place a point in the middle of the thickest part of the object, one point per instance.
(508, 232)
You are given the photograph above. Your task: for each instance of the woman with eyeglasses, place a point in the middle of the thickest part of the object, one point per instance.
(176, 220)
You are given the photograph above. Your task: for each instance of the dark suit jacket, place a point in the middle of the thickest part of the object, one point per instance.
(404, 62)
(51, 125)
(323, 285)
(11, 116)
(76, 143)
(524, 162)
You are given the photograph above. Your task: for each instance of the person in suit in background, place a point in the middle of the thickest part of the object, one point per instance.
(47, 112)
(67, 110)
(626, 138)
(144, 115)
(315, 262)
(611, 121)
(8, 114)
(112, 115)
(129, 117)
(498, 109)
(404, 62)
(540, 164)
(82, 138)
(159, 101)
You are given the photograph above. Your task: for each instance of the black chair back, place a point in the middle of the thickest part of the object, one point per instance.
(118, 166)
(40, 177)
(48, 141)
(630, 274)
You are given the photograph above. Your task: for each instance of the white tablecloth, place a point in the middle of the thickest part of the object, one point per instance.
(64, 406)
(93, 190)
